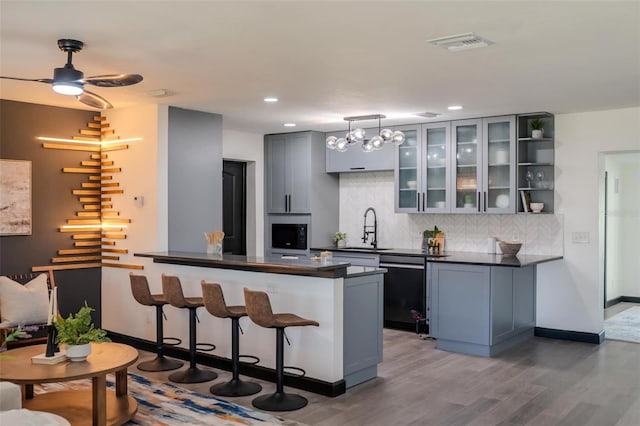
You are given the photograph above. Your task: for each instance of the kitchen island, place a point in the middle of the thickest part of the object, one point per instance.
(343, 351)
(475, 303)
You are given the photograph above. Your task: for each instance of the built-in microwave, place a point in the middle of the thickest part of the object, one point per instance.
(289, 236)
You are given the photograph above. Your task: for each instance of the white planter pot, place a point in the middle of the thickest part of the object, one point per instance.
(342, 243)
(78, 353)
(537, 134)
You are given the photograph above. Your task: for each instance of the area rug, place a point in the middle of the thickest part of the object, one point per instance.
(161, 404)
(624, 326)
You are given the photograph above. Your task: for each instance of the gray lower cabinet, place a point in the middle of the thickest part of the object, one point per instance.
(362, 338)
(481, 310)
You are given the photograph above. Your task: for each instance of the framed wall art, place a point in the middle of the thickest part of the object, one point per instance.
(15, 197)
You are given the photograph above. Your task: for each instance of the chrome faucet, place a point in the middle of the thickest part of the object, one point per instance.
(366, 232)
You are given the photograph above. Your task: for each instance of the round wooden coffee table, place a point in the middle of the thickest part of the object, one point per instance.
(98, 407)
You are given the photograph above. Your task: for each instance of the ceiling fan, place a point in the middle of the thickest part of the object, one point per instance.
(70, 81)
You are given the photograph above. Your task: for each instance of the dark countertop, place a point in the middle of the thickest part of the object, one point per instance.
(469, 258)
(257, 264)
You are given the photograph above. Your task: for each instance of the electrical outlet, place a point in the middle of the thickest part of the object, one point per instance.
(580, 237)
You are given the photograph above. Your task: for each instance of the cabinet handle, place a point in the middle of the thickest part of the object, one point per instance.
(356, 168)
(485, 201)
(478, 201)
(286, 201)
(418, 201)
(424, 196)
(289, 202)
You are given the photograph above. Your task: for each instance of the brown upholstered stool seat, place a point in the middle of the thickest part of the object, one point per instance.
(215, 304)
(142, 295)
(172, 290)
(259, 310)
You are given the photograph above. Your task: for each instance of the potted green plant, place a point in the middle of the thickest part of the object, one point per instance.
(537, 128)
(340, 239)
(77, 332)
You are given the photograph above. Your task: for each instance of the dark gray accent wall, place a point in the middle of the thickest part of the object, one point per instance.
(195, 178)
(52, 200)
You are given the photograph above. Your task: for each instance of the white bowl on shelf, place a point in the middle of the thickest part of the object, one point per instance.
(536, 207)
(411, 184)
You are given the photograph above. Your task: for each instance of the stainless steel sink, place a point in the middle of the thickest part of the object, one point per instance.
(364, 248)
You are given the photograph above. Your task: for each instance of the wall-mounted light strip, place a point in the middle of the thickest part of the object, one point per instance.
(101, 143)
(103, 226)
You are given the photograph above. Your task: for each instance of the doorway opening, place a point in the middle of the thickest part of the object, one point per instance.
(234, 207)
(620, 218)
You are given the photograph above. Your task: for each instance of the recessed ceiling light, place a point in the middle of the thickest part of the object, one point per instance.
(289, 124)
(454, 107)
(271, 99)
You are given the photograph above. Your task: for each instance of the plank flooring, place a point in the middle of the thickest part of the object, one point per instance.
(540, 382)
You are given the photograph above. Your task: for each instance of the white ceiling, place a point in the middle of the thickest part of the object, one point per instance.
(329, 59)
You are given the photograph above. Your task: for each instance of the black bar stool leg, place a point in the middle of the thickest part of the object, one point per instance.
(160, 363)
(280, 401)
(192, 374)
(235, 386)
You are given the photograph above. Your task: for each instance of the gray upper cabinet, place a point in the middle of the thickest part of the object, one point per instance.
(354, 159)
(484, 165)
(287, 171)
(499, 172)
(466, 166)
(408, 171)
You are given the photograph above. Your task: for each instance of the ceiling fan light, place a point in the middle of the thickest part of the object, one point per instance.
(331, 142)
(398, 137)
(73, 88)
(386, 134)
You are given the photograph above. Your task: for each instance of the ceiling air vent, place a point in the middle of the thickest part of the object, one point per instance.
(461, 42)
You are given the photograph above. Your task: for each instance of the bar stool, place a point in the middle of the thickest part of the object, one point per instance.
(172, 290)
(215, 304)
(142, 294)
(259, 310)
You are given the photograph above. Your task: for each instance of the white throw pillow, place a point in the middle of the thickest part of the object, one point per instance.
(24, 304)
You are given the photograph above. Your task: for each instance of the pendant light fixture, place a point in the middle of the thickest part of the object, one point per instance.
(357, 135)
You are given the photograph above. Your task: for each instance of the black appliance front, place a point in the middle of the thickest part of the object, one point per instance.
(289, 236)
(404, 296)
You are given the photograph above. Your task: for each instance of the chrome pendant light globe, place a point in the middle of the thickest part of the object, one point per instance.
(398, 137)
(332, 142)
(367, 146)
(341, 145)
(377, 142)
(386, 134)
(358, 136)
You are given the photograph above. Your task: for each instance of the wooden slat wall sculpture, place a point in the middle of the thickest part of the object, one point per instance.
(96, 228)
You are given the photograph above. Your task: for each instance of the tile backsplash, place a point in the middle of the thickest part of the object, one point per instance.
(541, 234)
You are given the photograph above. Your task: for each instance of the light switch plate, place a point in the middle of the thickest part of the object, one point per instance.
(580, 237)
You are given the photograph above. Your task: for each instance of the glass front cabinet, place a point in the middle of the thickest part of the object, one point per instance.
(408, 171)
(465, 166)
(484, 173)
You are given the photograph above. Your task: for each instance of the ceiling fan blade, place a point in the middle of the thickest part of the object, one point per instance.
(39, 80)
(114, 80)
(93, 100)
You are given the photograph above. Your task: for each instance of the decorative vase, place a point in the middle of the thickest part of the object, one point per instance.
(342, 243)
(78, 353)
(537, 134)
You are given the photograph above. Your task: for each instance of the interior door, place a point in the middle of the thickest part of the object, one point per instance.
(234, 210)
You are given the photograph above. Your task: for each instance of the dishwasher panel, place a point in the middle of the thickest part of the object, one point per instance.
(404, 291)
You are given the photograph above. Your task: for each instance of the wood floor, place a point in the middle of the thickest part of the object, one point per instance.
(541, 382)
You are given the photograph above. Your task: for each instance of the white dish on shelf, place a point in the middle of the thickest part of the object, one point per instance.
(502, 201)
(468, 205)
(411, 184)
(536, 207)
